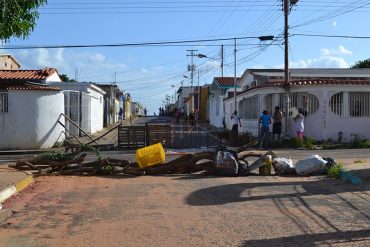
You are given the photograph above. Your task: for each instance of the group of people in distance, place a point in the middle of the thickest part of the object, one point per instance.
(276, 120)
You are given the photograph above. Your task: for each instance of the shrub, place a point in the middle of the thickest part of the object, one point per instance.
(294, 142)
(335, 171)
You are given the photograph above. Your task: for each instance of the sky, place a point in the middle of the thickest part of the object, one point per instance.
(150, 72)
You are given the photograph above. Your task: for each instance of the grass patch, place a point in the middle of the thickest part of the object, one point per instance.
(358, 161)
(335, 171)
(57, 156)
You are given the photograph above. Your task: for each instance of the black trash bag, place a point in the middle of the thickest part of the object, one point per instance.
(330, 162)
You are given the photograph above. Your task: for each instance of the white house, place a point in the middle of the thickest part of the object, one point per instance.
(112, 102)
(83, 103)
(183, 99)
(217, 93)
(8, 62)
(29, 109)
(339, 101)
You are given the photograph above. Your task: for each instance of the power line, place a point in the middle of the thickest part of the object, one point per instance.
(331, 36)
(126, 44)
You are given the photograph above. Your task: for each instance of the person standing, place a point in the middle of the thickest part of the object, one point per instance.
(277, 124)
(299, 126)
(235, 121)
(145, 111)
(196, 117)
(265, 121)
(120, 114)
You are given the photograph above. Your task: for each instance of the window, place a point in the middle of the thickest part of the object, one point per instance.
(359, 104)
(3, 102)
(297, 102)
(240, 109)
(352, 104)
(336, 103)
(250, 108)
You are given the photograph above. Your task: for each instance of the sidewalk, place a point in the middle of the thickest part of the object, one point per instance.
(12, 182)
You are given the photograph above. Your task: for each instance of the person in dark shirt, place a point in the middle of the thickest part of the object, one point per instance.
(276, 126)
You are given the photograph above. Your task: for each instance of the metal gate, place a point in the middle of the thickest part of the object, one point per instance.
(130, 137)
(171, 136)
(72, 110)
(85, 113)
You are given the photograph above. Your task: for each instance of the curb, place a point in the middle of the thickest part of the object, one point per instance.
(15, 188)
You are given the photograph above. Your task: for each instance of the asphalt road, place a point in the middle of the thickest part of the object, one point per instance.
(189, 210)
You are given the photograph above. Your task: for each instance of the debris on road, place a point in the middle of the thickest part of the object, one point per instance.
(310, 165)
(75, 164)
(150, 161)
(283, 166)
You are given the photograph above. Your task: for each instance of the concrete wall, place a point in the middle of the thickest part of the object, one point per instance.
(321, 125)
(97, 105)
(32, 120)
(7, 62)
(96, 98)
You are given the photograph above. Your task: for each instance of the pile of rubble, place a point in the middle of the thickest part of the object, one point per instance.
(75, 164)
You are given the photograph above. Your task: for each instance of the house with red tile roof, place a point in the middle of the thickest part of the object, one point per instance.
(217, 92)
(338, 105)
(30, 109)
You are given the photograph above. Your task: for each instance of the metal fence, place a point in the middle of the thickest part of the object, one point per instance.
(350, 104)
(3, 102)
(72, 110)
(86, 112)
(177, 136)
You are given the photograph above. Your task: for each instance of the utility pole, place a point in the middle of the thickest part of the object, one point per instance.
(198, 93)
(286, 44)
(191, 65)
(222, 60)
(286, 66)
(235, 73)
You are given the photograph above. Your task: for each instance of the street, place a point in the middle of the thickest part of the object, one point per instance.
(192, 210)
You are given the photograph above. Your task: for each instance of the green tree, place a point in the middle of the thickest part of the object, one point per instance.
(361, 64)
(18, 17)
(65, 78)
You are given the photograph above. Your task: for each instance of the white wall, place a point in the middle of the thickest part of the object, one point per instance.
(97, 110)
(54, 77)
(321, 125)
(32, 120)
(97, 100)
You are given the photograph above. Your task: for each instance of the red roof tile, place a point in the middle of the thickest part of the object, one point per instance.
(226, 81)
(310, 82)
(26, 86)
(29, 75)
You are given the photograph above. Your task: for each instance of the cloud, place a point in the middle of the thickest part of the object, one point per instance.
(335, 52)
(329, 58)
(90, 65)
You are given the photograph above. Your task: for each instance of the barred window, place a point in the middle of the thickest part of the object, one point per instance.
(359, 104)
(297, 101)
(250, 108)
(352, 104)
(3, 102)
(336, 103)
(240, 109)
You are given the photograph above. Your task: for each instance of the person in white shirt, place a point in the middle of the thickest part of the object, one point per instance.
(299, 125)
(235, 121)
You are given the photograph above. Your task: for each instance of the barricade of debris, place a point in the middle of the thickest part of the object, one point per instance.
(151, 161)
(220, 162)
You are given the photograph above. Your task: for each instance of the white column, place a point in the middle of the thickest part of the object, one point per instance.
(324, 109)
